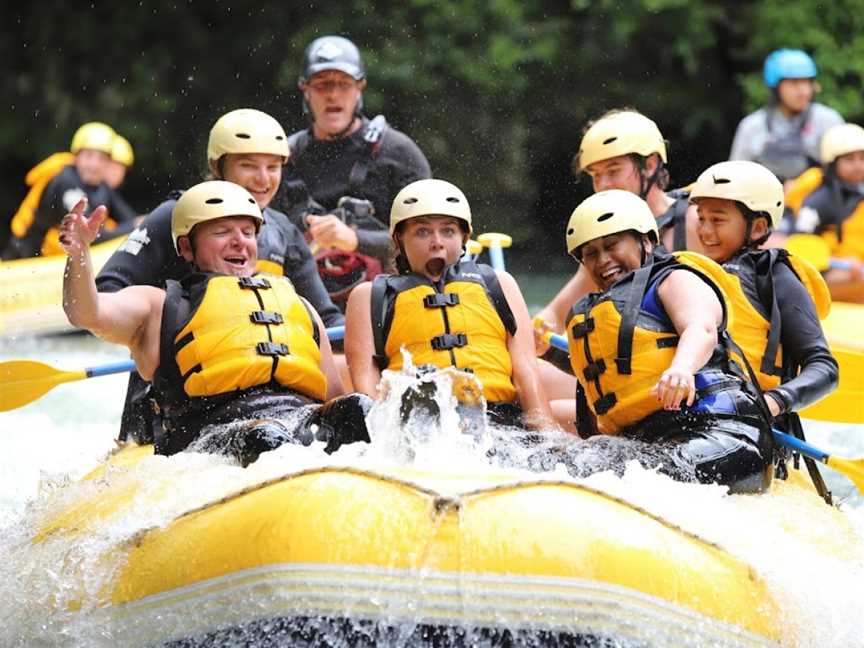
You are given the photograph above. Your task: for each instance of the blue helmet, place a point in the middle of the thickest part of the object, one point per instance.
(788, 64)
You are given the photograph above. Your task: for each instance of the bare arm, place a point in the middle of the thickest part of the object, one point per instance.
(555, 312)
(526, 375)
(328, 366)
(696, 313)
(129, 317)
(359, 342)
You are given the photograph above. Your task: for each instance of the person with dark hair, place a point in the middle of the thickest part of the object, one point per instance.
(345, 169)
(784, 135)
(445, 312)
(777, 299)
(651, 354)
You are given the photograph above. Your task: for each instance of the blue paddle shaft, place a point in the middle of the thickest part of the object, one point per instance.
(780, 438)
(496, 256)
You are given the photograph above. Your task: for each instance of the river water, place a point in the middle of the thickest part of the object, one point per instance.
(812, 557)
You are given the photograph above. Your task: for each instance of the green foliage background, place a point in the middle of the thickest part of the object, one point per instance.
(495, 92)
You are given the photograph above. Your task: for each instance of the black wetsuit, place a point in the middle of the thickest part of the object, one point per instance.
(148, 257)
(327, 170)
(60, 196)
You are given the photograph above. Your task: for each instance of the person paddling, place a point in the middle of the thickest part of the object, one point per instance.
(443, 311)
(777, 298)
(220, 345)
(648, 351)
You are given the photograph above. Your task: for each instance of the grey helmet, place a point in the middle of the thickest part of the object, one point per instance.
(332, 53)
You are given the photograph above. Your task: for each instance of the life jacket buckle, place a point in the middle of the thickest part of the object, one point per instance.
(441, 300)
(604, 404)
(271, 349)
(266, 317)
(254, 283)
(583, 328)
(449, 341)
(593, 370)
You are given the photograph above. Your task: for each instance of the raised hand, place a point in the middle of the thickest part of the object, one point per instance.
(77, 231)
(329, 232)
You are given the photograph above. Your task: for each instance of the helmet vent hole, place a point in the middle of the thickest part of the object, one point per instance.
(605, 217)
(569, 231)
(452, 199)
(279, 138)
(251, 202)
(721, 180)
(214, 201)
(779, 203)
(610, 140)
(409, 201)
(243, 135)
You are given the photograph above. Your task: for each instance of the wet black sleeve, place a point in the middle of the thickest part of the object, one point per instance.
(147, 257)
(374, 243)
(302, 270)
(804, 342)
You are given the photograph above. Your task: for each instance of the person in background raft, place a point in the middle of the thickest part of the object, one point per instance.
(263, 359)
(784, 135)
(57, 184)
(829, 202)
(777, 299)
(623, 149)
(445, 312)
(247, 147)
(650, 355)
(345, 169)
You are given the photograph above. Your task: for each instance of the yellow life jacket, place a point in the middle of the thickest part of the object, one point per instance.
(37, 179)
(849, 242)
(758, 336)
(229, 334)
(462, 322)
(618, 351)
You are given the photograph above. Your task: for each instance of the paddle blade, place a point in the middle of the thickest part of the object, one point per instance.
(852, 468)
(846, 403)
(23, 381)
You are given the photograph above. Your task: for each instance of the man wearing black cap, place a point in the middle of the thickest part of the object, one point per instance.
(345, 169)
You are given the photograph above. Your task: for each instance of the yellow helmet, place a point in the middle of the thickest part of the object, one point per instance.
(247, 130)
(429, 198)
(208, 201)
(121, 151)
(840, 140)
(609, 212)
(93, 135)
(620, 133)
(746, 182)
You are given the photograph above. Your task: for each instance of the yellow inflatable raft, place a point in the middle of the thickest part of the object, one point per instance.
(31, 300)
(353, 553)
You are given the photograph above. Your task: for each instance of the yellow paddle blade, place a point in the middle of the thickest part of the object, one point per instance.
(474, 247)
(852, 468)
(491, 238)
(23, 381)
(811, 248)
(846, 403)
